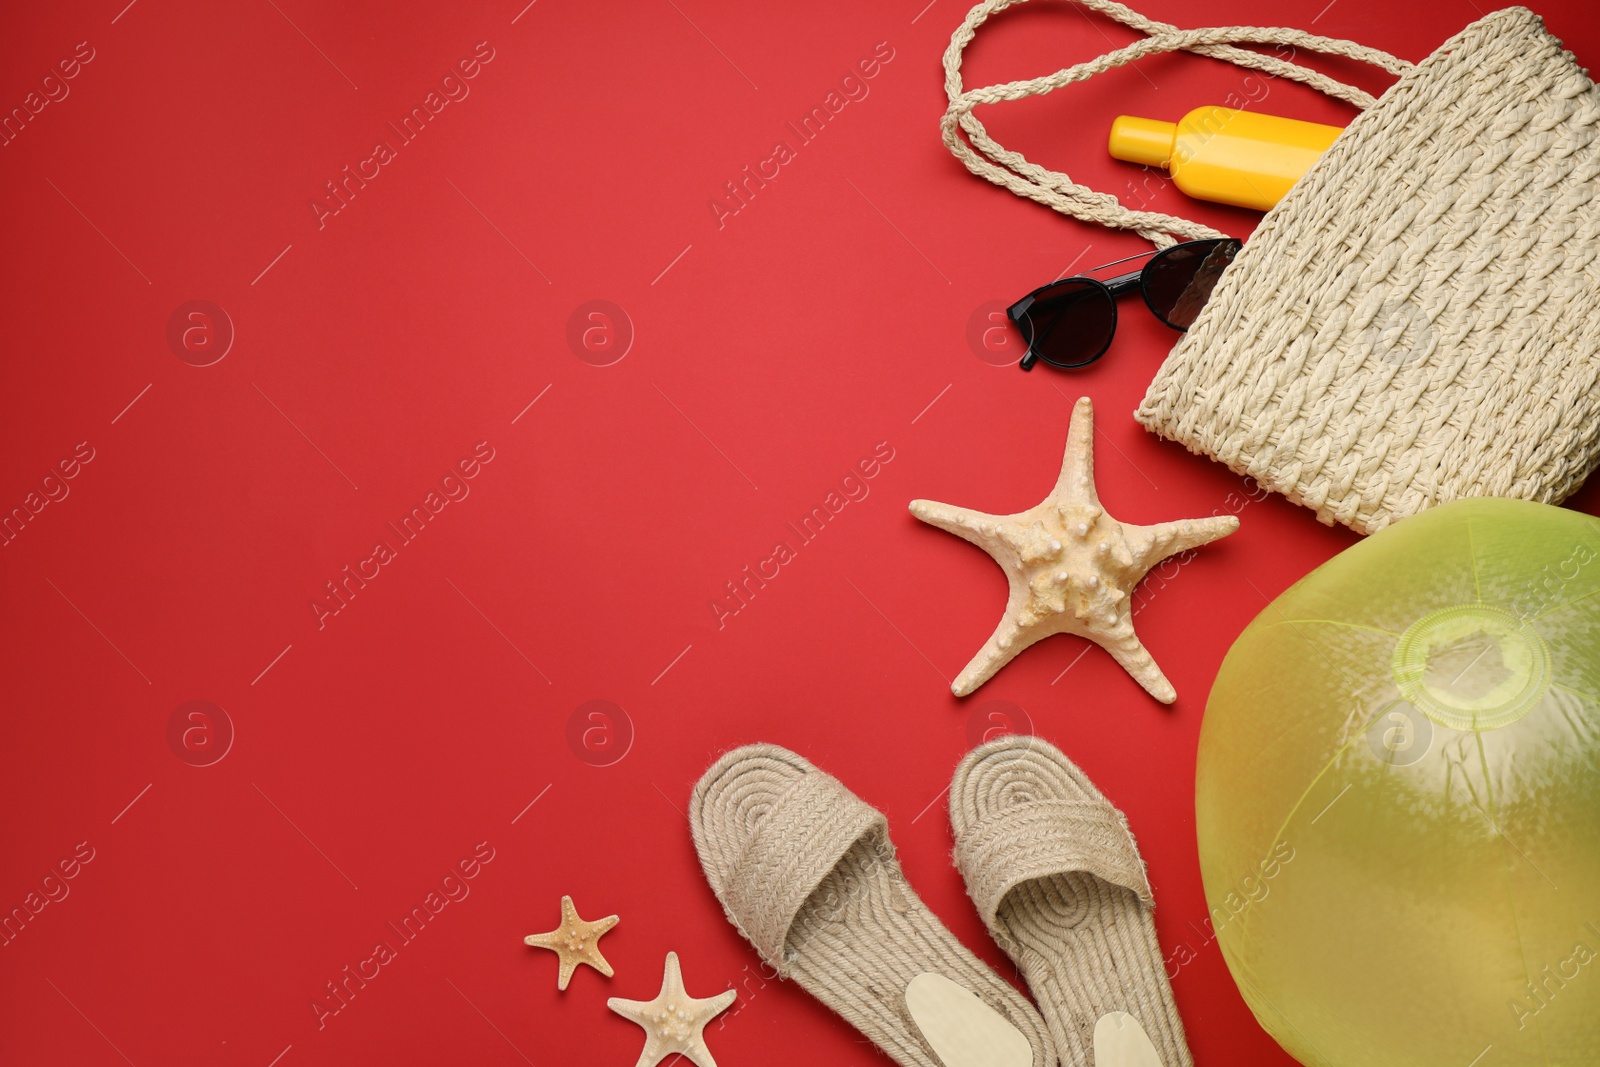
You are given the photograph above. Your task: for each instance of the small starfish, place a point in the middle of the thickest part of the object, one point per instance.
(575, 941)
(673, 1022)
(1072, 567)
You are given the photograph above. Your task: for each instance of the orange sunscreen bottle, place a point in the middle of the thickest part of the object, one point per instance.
(1219, 153)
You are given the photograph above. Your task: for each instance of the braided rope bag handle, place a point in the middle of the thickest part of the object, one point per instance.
(1011, 170)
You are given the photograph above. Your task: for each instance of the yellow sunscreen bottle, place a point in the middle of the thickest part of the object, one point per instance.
(1222, 154)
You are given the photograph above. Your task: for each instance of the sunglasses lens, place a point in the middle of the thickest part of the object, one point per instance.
(1179, 280)
(1068, 324)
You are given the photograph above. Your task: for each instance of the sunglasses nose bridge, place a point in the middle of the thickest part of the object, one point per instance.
(1126, 283)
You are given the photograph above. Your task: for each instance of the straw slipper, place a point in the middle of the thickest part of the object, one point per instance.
(1057, 877)
(804, 869)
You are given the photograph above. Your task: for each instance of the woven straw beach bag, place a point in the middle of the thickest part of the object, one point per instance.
(1418, 319)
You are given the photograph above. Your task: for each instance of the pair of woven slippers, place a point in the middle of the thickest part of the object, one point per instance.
(805, 870)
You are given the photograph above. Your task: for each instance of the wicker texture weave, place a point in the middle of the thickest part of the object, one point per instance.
(1419, 318)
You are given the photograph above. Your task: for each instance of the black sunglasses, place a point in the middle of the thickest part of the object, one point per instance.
(1070, 323)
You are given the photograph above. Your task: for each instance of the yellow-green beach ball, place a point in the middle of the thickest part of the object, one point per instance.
(1398, 797)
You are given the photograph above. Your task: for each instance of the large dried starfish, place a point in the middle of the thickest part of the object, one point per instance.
(1071, 566)
(674, 1022)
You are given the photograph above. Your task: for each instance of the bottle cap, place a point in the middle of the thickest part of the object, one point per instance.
(1147, 141)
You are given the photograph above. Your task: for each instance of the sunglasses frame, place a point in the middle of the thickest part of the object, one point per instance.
(1111, 288)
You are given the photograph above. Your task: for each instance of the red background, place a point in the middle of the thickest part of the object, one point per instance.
(769, 355)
